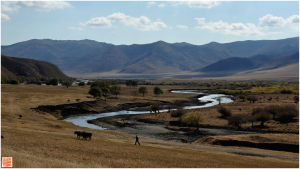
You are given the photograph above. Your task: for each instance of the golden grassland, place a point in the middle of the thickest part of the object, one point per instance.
(40, 140)
(256, 138)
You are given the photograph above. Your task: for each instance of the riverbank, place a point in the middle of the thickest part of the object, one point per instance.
(63, 111)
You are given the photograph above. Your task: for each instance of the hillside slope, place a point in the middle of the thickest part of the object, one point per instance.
(13, 67)
(260, 62)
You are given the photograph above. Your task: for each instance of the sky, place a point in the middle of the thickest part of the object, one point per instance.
(133, 22)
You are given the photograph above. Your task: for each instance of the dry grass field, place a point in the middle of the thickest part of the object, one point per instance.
(40, 140)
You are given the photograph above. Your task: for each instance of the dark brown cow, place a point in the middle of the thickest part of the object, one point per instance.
(84, 135)
(78, 133)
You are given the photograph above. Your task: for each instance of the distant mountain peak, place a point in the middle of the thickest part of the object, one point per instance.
(213, 43)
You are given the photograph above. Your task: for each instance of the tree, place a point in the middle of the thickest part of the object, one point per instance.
(191, 119)
(225, 113)
(67, 83)
(53, 82)
(242, 98)
(272, 109)
(252, 99)
(95, 92)
(177, 113)
(105, 92)
(13, 81)
(287, 114)
(154, 108)
(143, 90)
(100, 84)
(236, 121)
(261, 115)
(81, 84)
(115, 89)
(219, 99)
(132, 83)
(157, 91)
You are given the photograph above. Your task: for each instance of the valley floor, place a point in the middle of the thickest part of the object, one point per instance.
(40, 140)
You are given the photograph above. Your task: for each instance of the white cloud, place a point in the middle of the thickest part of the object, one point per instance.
(8, 7)
(153, 4)
(4, 17)
(294, 19)
(270, 21)
(142, 23)
(161, 5)
(98, 22)
(45, 5)
(229, 28)
(200, 20)
(199, 4)
(181, 26)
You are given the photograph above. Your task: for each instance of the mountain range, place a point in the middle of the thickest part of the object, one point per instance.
(88, 57)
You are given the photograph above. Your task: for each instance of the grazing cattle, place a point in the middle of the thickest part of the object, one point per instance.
(20, 116)
(84, 135)
(78, 133)
(2, 137)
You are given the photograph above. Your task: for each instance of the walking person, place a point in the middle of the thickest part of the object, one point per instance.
(137, 140)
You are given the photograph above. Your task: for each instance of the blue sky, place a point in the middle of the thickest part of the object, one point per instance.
(196, 22)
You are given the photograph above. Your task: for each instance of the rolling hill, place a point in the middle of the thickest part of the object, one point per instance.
(236, 64)
(14, 68)
(85, 57)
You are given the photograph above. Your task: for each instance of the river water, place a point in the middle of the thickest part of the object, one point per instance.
(209, 99)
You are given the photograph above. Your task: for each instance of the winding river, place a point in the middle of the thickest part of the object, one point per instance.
(209, 99)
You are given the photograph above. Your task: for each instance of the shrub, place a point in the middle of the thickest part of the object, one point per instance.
(115, 89)
(132, 83)
(157, 91)
(95, 92)
(143, 90)
(259, 114)
(81, 84)
(53, 82)
(177, 113)
(272, 109)
(13, 82)
(191, 119)
(242, 97)
(252, 99)
(100, 84)
(154, 108)
(67, 83)
(285, 91)
(236, 121)
(287, 114)
(225, 113)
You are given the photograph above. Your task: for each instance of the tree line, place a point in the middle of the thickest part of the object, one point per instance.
(104, 89)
